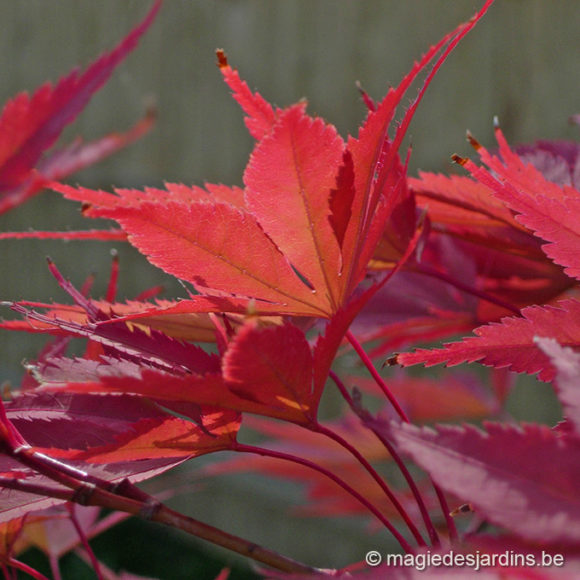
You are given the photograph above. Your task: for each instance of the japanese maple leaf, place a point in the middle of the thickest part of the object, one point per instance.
(502, 472)
(509, 259)
(111, 437)
(310, 216)
(511, 342)
(550, 210)
(547, 208)
(29, 125)
(566, 361)
(265, 366)
(268, 371)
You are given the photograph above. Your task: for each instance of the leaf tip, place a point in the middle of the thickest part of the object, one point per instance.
(222, 61)
(458, 159)
(473, 141)
(465, 508)
(392, 361)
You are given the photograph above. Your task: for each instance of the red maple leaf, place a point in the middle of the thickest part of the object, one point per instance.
(510, 343)
(546, 207)
(29, 125)
(312, 213)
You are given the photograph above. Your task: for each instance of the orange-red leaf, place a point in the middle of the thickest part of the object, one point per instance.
(260, 116)
(289, 179)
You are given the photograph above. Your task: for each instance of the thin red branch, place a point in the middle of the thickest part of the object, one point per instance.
(314, 466)
(365, 416)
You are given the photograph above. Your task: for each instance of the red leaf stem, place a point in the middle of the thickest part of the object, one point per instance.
(26, 569)
(318, 428)
(84, 540)
(374, 373)
(367, 420)
(240, 447)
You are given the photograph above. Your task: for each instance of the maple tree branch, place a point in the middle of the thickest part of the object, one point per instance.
(156, 511)
(126, 497)
(327, 473)
(381, 383)
(318, 428)
(366, 418)
(25, 568)
(84, 540)
(375, 374)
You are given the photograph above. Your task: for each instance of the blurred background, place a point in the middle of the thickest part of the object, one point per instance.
(520, 63)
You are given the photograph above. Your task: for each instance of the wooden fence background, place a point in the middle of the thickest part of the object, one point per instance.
(520, 63)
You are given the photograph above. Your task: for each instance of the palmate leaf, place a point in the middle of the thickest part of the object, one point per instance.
(267, 371)
(510, 343)
(139, 343)
(191, 327)
(314, 208)
(549, 209)
(113, 437)
(502, 472)
(193, 241)
(508, 257)
(29, 125)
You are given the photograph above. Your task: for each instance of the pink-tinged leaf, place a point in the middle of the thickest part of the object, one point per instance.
(79, 155)
(567, 365)
(30, 125)
(164, 437)
(502, 473)
(53, 532)
(413, 306)
(289, 179)
(546, 208)
(121, 338)
(510, 343)
(68, 424)
(558, 161)
(191, 327)
(134, 343)
(427, 400)
(260, 116)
